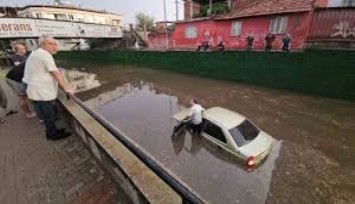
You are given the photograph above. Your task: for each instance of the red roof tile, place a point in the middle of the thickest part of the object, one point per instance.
(267, 7)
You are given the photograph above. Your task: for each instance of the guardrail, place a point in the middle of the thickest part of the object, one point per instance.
(186, 194)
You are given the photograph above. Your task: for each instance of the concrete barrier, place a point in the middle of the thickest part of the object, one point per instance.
(327, 73)
(140, 183)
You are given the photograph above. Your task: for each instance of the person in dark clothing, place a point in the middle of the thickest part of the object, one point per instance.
(220, 46)
(204, 45)
(286, 43)
(269, 40)
(3, 104)
(250, 42)
(15, 75)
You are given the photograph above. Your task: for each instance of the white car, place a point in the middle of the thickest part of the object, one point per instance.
(234, 133)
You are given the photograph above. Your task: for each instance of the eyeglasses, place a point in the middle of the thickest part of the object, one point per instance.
(52, 43)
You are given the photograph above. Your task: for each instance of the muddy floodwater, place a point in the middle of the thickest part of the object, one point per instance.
(312, 161)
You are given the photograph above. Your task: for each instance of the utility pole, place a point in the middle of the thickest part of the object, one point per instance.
(210, 8)
(166, 26)
(177, 9)
(191, 9)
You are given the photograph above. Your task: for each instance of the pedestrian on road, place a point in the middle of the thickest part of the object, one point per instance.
(3, 104)
(269, 40)
(286, 43)
(42, 78)
(250, 42)
(15, 75)
(195, 116)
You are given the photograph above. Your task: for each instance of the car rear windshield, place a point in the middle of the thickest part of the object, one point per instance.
(244, 133)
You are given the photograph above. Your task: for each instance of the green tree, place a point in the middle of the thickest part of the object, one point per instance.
(217, 8)
(143, 19)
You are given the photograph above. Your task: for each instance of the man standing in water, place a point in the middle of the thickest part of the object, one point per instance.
(195, 115)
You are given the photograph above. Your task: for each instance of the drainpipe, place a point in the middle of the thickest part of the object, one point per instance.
(177, 9)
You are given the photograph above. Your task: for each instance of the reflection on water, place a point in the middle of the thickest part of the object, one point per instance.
(109, 96)
(145, 115)
(82, 81)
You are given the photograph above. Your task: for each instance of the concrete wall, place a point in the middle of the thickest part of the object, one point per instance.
(135, 178)
(324, 73)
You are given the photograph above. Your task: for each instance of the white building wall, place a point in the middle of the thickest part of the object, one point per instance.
(69, 14)
(72, 15)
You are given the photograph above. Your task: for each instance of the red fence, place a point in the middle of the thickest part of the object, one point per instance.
(333, 24)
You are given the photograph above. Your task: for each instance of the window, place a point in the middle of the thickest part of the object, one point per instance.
(236, 28)
(71, 17)
(190, 32)
(214, 131)
(278, 25)
(244, 133)
(115, 22)
(60, 16)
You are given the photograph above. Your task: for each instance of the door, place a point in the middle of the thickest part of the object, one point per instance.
(214, 133)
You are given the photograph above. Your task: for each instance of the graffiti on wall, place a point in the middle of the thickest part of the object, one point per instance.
(343, 29)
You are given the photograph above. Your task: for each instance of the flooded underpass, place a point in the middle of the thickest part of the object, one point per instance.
(311, 162)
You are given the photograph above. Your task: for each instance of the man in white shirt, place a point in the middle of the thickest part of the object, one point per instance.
(42, 78)
(195, 115)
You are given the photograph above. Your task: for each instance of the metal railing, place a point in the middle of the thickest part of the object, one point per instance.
(186, 195)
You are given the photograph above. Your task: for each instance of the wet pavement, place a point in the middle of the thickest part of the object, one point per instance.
(312, 162)
(36, 170)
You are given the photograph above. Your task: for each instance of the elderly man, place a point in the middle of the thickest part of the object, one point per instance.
(42, 78)
(15, 75)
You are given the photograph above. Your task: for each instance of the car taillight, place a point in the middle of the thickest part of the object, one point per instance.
(251, 162)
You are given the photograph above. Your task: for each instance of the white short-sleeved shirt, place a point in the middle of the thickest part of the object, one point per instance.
(196, 114)
(41, 85)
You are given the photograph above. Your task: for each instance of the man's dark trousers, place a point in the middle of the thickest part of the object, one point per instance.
(47, 111)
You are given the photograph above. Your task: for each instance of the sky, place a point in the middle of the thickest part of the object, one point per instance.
(127, 8)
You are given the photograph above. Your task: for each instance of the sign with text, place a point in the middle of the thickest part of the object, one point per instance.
(33, 28)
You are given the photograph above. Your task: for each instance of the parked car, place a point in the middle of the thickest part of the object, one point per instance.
(233, 133)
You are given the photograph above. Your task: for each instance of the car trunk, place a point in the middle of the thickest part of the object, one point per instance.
(259, 147)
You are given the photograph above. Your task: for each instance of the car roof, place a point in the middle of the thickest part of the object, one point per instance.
(224, 116)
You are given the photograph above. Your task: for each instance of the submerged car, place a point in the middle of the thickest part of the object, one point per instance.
(233, 133)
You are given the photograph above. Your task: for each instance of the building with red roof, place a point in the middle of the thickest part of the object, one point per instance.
(247, 17)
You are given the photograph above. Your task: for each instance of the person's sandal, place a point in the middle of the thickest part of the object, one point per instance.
(12, 112)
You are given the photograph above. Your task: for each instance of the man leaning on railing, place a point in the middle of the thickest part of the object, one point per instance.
(42, 78)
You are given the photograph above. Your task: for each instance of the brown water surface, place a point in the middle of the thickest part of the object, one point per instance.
(312, 162)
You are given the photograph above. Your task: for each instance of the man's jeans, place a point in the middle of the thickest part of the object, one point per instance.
(47, 111)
